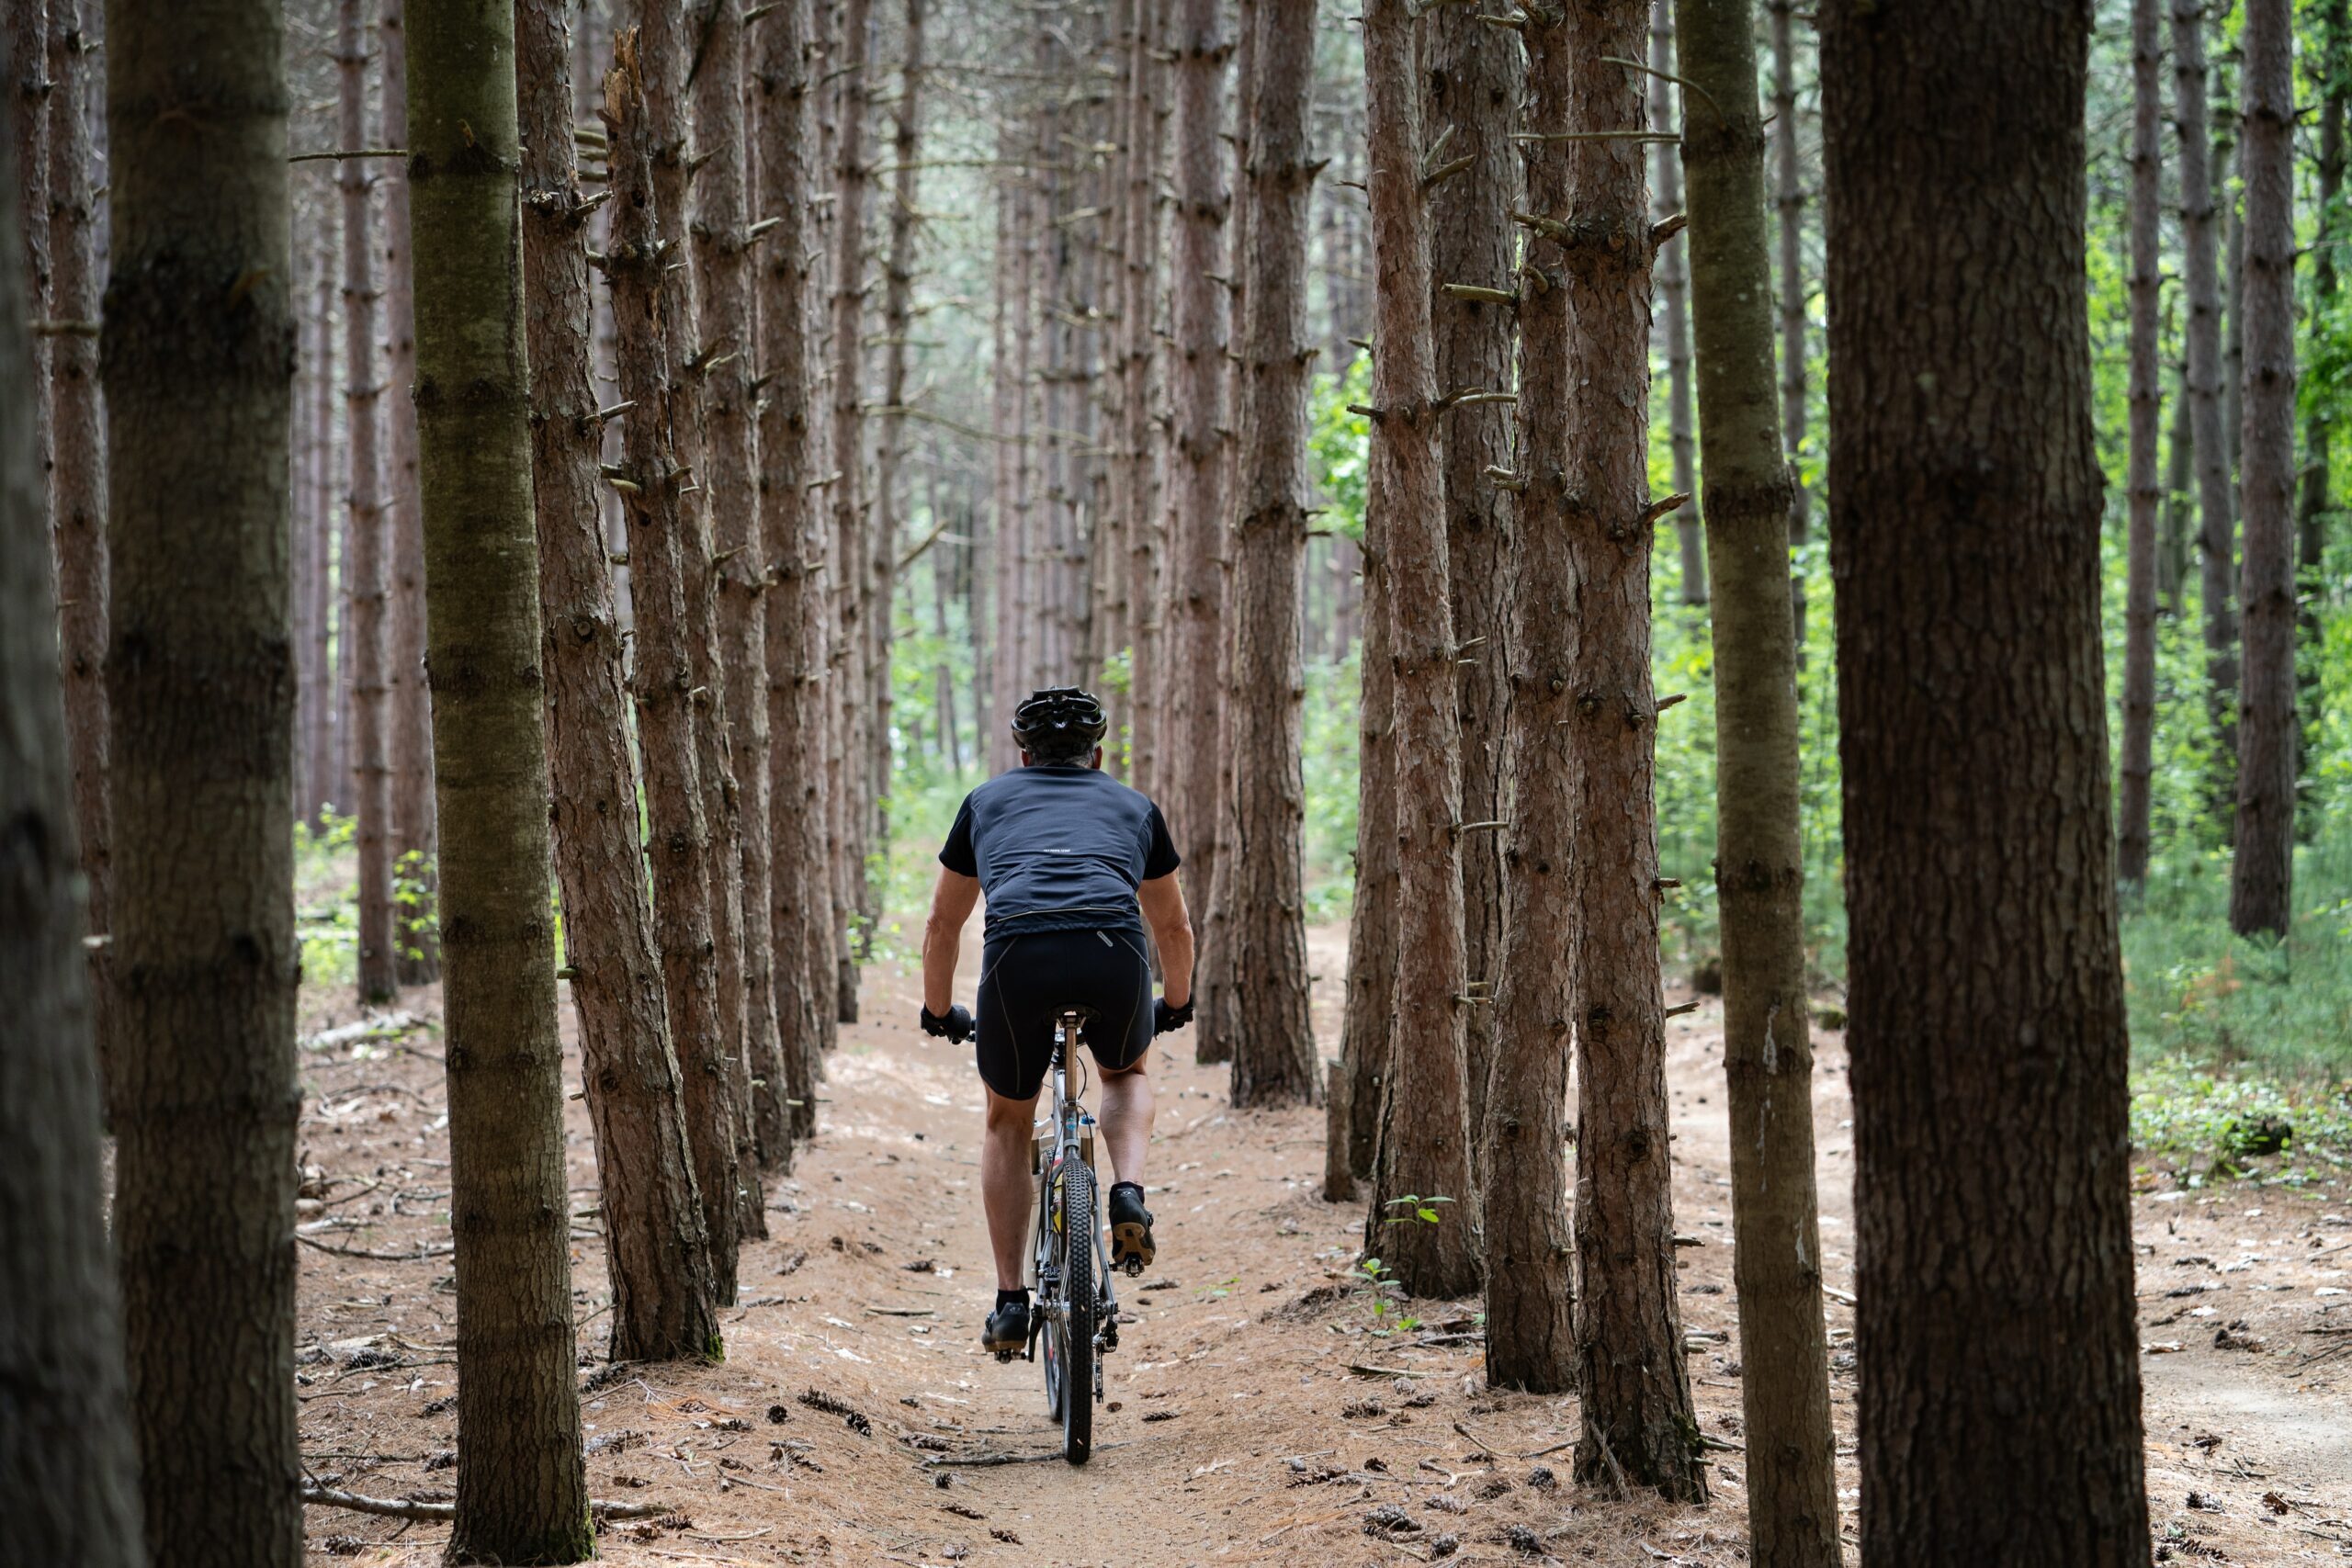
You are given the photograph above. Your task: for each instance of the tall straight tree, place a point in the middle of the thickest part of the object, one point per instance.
(367, 564)
(1635, 1395)
(881, 564)
(2262, 874)
(1424, 1151)
(1475, 74)
(198, 364)
(2321, 414)
(1998, 1384)
(662, 536)
(665, 1304)
(2145, 491)
(1368, 1024)
(846, 490)
(1193, 610)
(1265, 1024)
(792, 607)
(1787, 238)
(1760, 861)
(521, 1487)
(722, 260)
(410, 711)
(1674, 290)
(68, 1467)
(77, 469)
(1139, 289)
(24, 42)
(2200, 187)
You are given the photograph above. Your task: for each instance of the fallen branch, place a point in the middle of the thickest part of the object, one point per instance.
(437, 1249)
(980, 1461)
(407, 1508)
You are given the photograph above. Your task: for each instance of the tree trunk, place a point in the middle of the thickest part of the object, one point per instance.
(1138, 514)
(722, 262)
(1636, 1395)
(1424, 1150)
(2262, 874)
(1788, 204)
(68, 1478)
(897, 315)
(793, 612)
(24, 35)
(310, 507)
(1193, 607)
(320, 732)
(852, 715)
(2200, 189)
(77, 480)
(366, 577)
(2334, 72)
(1475, 75)
(2144, 494)
(1264, 970)
(661, 543)
(665, 1306)
(1998, 1384)
(1674, 291)
(415, 928)
(198, 360)
(2180, 502)
(1367, 1027)
(1759, 859)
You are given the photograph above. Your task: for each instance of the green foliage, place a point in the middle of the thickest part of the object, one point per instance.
(2208, 1125)
(1339, 445)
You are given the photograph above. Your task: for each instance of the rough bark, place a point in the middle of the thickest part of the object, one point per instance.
(1431, 1247)
(1263, 976)
(897, 315)
(1674, 298)
(2316, 502)
(409, 708)
(663, 539)
(1475, 74)
(2141, 482)
(198, 364)
(310, 506)
(847, 494)
(77, 494)
(1191, 610)
(2200, 187)
(24, 38)
(1367, 1025)
(69, 1480)
(1760, 861)
(665, 1306)
(2262, 874)
(367, 574)
(1635, 1392)
(1137, 507)
(1999, 1383)
(1788, 236)
(2180, 502)
(321, 732)
(793, 608)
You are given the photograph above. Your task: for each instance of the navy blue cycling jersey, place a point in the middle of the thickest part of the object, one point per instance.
(1059, 846)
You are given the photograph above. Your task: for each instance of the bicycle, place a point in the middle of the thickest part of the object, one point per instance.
(1076, 1313)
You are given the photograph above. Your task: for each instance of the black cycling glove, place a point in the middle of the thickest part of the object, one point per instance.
(954, 1024)
(1165, 1018)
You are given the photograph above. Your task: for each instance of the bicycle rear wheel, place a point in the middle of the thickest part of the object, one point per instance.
(1071, 1352)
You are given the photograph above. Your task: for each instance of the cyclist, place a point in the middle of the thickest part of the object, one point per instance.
(1073, 863)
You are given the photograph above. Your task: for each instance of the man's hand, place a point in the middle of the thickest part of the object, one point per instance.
(1165, 1018)
(956, 1025)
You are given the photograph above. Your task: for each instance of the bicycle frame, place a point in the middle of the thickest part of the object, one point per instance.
(1069, 1135)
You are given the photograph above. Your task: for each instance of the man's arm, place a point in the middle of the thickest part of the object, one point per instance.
(942, 938)
(1171, 928)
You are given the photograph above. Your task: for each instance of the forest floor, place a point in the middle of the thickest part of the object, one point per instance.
(1259, 1411)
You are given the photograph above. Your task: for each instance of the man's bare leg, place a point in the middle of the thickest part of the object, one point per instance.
(1008, 1186)
(1127, 1118)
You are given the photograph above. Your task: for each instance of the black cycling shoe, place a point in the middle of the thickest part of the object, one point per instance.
(1131, 1246)
(1007, 1329)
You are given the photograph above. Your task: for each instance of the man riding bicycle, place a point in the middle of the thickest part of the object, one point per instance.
(1072, 862)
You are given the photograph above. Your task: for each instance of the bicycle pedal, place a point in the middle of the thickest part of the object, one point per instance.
(1134, 1267)
(1006, 1354)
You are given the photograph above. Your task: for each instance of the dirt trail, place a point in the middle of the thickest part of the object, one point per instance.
(1238, 1432)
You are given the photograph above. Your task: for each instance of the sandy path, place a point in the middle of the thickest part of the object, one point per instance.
(1237, 1433)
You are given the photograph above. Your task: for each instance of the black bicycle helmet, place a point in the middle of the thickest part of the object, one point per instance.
(1060, 723)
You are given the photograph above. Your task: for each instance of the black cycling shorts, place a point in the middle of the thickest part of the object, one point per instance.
(1027, 980)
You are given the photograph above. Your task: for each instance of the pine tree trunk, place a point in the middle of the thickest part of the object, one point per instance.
(2201, 184)
(1998, 1384)
(792, 608)
(853, 716)
(2144, 494)
(319, 733)
(24, 35)
(308, 506)
(197, 361)
(2262, 874)
(77, 478)
(1674, 295)
(1759, 876)
(416, 930)
(2317, 504)
(1788, 234)
(897, 315)
(722, 263)
(522, 1488)
(1138, 512)
(2181, 504)
(1367, 1028)
(1594, 228)
(1191, 610)
(1005, 417)
(1262, 972)
(367, 577)
(1475, 75)
(68, 1478)
(665, 1306)
(661, 543)
(1424, 1147)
